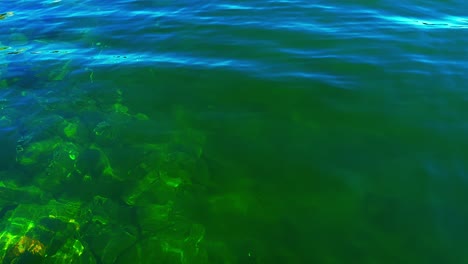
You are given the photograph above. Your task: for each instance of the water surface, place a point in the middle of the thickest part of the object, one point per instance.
(233, 131)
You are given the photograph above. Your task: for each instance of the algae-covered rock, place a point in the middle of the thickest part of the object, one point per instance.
(12, 193)
(37, 152)
(95, 163)
(110, 231)
(90, 163)
(146, 251)
(104, 132)
(61, 167)
(65, 155)
(190, 247)
(25, 250)
(70, 128)
(133, 193)
(109, 212)
(181, 244)
(111, 243)
(31, 235)
(153, 218)
(73, 251)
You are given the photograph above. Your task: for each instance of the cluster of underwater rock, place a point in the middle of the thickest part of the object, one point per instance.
(85, 180)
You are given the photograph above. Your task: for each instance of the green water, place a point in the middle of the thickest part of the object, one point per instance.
(233, 132)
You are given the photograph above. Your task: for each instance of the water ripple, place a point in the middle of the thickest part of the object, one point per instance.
(291, 36)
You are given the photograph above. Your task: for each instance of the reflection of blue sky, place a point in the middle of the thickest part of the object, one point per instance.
(97, 59)
(431, 18)
(235, 7)
(444, 22)
(168, 58)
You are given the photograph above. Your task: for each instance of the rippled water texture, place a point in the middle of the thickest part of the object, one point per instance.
(233, 131)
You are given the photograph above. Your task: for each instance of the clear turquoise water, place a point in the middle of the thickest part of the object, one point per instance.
(234, 131)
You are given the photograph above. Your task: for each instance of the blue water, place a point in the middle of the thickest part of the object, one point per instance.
(234, 131)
